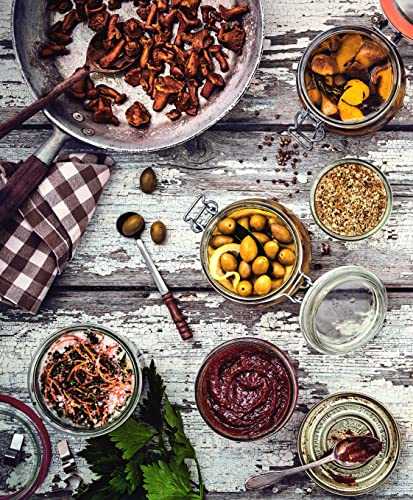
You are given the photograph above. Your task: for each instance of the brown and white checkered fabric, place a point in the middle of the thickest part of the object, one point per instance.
(37, 242)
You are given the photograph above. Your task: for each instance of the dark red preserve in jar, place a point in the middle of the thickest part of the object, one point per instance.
(246, 389)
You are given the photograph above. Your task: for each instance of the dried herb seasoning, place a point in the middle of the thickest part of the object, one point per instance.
(350, 200)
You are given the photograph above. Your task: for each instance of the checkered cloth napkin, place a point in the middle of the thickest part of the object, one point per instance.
(40, 239)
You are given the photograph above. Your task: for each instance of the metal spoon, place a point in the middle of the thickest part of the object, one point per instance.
(94, 52)
(135, 231)
(347, 452)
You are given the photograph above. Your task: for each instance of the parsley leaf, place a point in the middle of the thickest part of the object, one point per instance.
(131, 437)
(151, 407)
(180, 444)
(164, 482)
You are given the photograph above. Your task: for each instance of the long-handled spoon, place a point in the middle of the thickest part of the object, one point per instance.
(350, 451)
(131, 225)
(93, 55)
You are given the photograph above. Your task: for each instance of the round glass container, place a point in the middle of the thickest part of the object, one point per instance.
(204, 216)
(340, 416)
(57, 342)
(21, 479)
(373, 121)
(343, 310)
(386, 186)
(236, 388)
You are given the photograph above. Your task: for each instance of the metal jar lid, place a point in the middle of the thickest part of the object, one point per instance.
(339, 416)
(343, 310)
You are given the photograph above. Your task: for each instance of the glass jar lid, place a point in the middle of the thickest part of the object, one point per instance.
(400, 15)
(25, 450)
(343, 310)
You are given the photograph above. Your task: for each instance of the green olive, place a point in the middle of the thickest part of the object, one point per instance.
(244, 288)
(260, 265)
(158, 232)
(261, 237)
(244, 270)
(244, 222)
(262, 286)
(218, 241)
(227, 225)
(148, 181)
(278, 271)
(281, 233)
(258, 222)
(271, 248)
(275, 284)
(228, 262)
(286, 257)
(248, 249)
(133, 225)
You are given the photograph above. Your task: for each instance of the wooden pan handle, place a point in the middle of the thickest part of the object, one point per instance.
(20, 185)
(177, 316)
(43, 102)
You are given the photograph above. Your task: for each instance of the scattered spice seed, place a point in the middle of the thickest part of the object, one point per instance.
(350, 200)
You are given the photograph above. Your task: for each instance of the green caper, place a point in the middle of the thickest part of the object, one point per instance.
(148, 181)
(132, 225)
(158, 232)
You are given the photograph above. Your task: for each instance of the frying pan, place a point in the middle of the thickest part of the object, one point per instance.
(30, 23)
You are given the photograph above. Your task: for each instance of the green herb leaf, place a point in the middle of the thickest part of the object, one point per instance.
(101, 455)
(131, 437)
(151, 407)
(180, 444)
(165, 482)
(119, 483)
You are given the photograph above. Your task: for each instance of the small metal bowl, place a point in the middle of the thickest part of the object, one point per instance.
(65, 424)
(377, 172)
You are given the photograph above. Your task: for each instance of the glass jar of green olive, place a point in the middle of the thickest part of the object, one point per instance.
(254, 251)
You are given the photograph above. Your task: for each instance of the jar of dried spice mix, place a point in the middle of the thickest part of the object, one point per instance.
(351, 79)
(351, 199)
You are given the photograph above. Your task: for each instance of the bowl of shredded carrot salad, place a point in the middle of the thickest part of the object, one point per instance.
(85, 380)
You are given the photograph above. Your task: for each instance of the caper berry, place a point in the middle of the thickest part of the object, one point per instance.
(158, 232)
(133, 225)
(148, 181)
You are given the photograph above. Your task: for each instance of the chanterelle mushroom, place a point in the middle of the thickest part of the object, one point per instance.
(137, 115)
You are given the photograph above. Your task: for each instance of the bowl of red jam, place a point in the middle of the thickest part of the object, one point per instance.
(246, 389)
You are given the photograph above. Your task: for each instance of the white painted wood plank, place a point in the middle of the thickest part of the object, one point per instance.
(382, 369)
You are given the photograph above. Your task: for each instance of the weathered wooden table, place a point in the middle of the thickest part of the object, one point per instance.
(107, 283)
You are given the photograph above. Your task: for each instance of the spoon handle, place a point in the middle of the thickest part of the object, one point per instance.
(262, 481)
(43, 102)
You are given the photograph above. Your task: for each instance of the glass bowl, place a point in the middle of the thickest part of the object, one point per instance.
(57, 344)
(238, 375)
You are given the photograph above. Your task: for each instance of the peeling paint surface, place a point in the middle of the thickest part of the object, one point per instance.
(107, 283)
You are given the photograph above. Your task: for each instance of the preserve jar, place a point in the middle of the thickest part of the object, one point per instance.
(246, 389)
(386, 194)
(319, 122)
(204, 216)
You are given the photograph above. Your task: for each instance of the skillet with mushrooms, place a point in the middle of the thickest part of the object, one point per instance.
(349, 77)
(179, 48)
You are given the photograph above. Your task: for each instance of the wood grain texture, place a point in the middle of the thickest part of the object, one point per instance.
(382, 369)
(106, 283)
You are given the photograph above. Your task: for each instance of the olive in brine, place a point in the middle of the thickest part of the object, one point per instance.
(278, 271)
(133, 225)
(286, 257)
(228, 262)
(258, 222)
(261, 237)
(262, 286)
(227, 225)
(148, 181)
(271, 248)
(158, 232)
(275, 284)
(244, 288)
(281, 233)
(260, 265)
(218, 241)
(248, 249)
(244, 270)
(244, 222)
